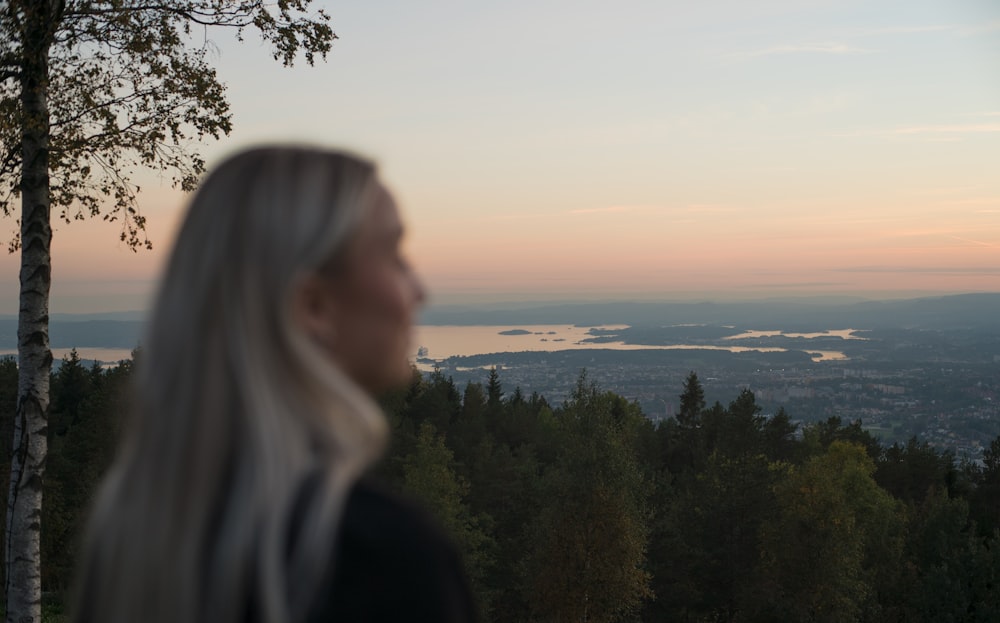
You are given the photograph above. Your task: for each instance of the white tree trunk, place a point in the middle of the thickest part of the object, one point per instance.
(24, 502)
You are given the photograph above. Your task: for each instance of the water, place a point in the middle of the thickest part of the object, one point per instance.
(440, 342)
(106, 356)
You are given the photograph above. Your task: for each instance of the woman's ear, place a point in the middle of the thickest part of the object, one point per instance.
(314, 310)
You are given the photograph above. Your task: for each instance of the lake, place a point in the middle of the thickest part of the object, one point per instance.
(439, 342)
(106, 356)
(444, 341)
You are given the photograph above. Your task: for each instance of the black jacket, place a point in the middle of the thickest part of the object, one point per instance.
(392, 563)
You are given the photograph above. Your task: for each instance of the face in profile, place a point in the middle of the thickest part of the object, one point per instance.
(361, 311)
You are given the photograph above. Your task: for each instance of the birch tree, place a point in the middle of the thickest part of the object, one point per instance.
(91, 92)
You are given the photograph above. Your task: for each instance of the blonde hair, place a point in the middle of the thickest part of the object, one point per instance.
(235, 408)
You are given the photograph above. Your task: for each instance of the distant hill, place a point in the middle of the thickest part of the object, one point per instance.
(66, 332)
(979, 312)
(963, 311)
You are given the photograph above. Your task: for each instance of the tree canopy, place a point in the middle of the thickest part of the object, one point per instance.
(130, 87)
(581, 517)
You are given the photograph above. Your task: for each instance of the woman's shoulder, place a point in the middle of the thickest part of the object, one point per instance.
(392, 562)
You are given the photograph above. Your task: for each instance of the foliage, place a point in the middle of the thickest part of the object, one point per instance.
(692, 402)
(571, 514)
(833, 525)
(130, 87)
(588, 558)
(85, 422)
(429, 473)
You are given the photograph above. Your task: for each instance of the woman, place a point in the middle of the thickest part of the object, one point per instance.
(236, 497)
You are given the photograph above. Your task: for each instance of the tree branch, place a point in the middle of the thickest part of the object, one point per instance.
(238, 17)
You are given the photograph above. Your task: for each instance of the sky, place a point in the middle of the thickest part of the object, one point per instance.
(665, 149)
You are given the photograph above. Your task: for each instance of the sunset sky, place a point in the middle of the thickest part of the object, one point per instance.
(640, 149)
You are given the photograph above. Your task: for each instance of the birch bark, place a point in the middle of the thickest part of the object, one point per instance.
(23, 588)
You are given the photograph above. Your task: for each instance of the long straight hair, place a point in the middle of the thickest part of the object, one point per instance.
(234, 408)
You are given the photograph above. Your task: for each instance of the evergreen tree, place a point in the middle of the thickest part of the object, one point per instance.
(740, 433)
(468, 435)
(778, 437)
(950, 569)
(912, 471)
(89, 405)
(397, 405)
(713, 525)
(692, 402)
(71, 385)
(437, 402)
(507, 494)
(820, 435)
(429, 473)
(985, 500)
(8, 405)
(494, 390)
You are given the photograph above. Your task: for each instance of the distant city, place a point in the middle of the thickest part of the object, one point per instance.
(927, 368)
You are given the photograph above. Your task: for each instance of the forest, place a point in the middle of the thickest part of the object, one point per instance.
(588, 511)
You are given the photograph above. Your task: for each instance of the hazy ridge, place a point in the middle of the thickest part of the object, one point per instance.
(963, 311)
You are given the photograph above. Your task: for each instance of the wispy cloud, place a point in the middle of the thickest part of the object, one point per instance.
(847, 47)
(966, 128)
(815, 48)
(930, 270)
(791, 284)
(917, 29)
(512, 216)
(691, 208)
(982, 243)
(616, 209)
(933, 131)
(973, 201)
(979, 29)
(906, 30)
(945, 190)
(709, 208)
